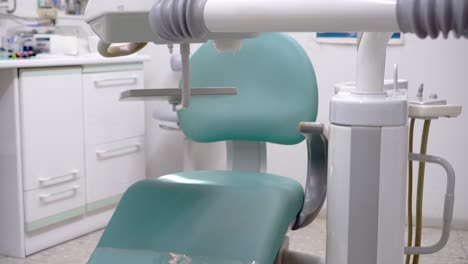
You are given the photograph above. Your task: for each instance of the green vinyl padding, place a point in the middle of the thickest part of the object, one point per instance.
(223, 217)
(211, 217)
(277, 89)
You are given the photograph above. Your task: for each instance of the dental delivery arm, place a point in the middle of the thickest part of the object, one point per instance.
(425, 18)
(228, 21)
(200, 20)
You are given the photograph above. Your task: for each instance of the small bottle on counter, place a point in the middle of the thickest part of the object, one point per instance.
(3, 54)
(71, 7)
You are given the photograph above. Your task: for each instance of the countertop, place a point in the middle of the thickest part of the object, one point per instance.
(54, 61)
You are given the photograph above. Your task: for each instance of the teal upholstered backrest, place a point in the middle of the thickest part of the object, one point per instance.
(277, 89)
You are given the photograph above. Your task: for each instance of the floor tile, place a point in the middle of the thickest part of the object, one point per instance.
(453, 249)
(17, 261)
(463, 235)
(309, 240)
(436, 260)
(73, 252)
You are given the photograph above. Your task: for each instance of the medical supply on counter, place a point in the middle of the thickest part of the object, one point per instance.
(23, 55)
(75, 7)
(42, 43)
(55, 8)
(3, 54)
(56, 44)
(47, 13)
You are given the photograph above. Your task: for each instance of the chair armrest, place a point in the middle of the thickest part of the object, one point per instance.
(316, 185)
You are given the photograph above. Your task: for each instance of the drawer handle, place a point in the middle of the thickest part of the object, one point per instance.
(111, 153)
(73, 173)
(169, 128)
(116, 82)
(72, 191)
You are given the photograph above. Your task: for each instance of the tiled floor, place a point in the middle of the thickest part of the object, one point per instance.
(309, 240)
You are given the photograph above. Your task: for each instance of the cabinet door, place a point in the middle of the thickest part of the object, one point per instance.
(106, 118)
(111, 169)
(114, 136)
(51, 105)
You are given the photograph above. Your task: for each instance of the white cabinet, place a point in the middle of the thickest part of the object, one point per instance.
(121, 163)
(51, 121)
(51, 110)
(73, 150)
(114, 136)
(106, 118)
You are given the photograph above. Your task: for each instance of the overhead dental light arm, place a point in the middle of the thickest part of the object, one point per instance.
(195, 21)
(300, 15)
(200, 20)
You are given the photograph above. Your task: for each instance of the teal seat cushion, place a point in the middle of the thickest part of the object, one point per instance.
(207, 216)
(277, 89)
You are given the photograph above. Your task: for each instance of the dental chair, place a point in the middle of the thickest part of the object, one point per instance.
(239, 216)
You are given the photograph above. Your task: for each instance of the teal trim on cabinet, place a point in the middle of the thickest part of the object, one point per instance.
(54, 219)
(104, 203)
(112, 67)
(49, 71)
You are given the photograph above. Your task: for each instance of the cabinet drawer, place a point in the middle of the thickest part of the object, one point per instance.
(48, 206)
(112, 168)
(51, 108)
(106, 118)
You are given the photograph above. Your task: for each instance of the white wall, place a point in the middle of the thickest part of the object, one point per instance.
(440, 64)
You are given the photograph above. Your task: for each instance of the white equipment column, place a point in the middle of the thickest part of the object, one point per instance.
(368, 157)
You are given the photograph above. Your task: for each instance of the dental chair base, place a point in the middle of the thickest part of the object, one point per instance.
(366, 188)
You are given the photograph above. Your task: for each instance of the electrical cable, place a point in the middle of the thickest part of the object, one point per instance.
(420, 190)
(410, 191)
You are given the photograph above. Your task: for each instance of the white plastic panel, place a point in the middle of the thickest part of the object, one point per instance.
(113, 167)
(393, 171)
(338, 194)
(106, 118)
(11, 182)
(434, 111)
(51, 106)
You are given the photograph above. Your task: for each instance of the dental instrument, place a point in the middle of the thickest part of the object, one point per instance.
(367, 140)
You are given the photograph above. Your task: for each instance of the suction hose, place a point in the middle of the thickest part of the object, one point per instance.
(410, 191)
(420, 189)
(178, 21)
(433, 17)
